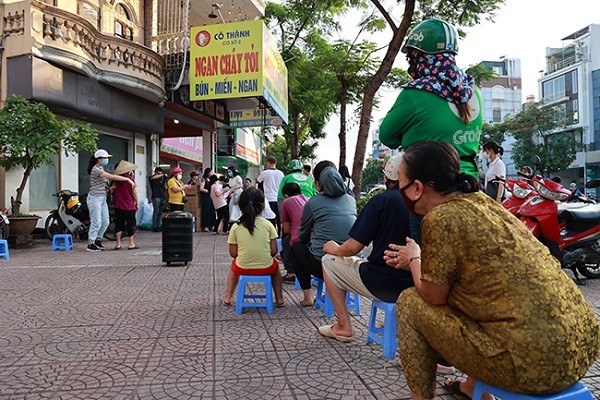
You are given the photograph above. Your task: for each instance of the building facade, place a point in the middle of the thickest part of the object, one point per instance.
(502, 99)
(571, 83)
(123, 67)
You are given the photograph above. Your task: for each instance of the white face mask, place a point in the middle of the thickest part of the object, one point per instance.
(179, 176)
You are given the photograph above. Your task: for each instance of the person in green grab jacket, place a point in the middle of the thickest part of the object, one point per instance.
(441, 103)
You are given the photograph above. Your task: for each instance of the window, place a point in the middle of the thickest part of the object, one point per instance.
(554, 89)
(43, 183)
(50, 2)
(123, 23)
(89, 12)
(497, 115)
(498, 93)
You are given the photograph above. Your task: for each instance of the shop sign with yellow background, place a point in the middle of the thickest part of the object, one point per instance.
(236, 60)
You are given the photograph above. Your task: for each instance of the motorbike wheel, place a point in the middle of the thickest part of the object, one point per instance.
(591, 267)
(53, 226)
(3, 229)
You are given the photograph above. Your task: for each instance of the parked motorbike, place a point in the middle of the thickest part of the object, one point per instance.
(4, 223)
(574, 237)
(72, 216)
(520, 191)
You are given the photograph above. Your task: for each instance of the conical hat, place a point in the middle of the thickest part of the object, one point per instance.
(124, 167)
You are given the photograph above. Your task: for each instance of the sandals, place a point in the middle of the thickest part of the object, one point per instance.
(117, 247)
(279, 305)
(326, 331)
(453, 386)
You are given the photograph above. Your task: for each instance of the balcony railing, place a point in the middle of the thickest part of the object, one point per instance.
(115, 61)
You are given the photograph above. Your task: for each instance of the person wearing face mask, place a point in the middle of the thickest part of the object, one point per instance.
(126, 205)
(236, 185)
(383, 220)
(496, 169)
(177, 190)
(501, 316)
(96, 198)
(440, 103)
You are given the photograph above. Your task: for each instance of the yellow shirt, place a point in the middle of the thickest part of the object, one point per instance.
(503, 278)
(175, 197)
(254, 251)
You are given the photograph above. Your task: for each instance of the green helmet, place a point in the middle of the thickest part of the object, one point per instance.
(433, 36)
(294, 165)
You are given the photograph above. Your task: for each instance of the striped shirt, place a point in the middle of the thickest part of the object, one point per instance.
(97, 183)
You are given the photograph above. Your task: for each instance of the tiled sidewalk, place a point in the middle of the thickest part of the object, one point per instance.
(121, 324)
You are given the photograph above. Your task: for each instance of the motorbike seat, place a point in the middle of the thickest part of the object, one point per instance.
(587, 215)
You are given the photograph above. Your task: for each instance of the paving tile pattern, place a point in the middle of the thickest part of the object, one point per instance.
(123, 325)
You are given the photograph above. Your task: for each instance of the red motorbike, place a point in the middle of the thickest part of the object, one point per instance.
(574, 238)
(520, 191)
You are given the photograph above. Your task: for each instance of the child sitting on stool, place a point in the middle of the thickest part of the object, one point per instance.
(252, 244)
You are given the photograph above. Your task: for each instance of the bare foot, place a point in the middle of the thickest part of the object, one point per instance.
(335, 328)
(227, 301)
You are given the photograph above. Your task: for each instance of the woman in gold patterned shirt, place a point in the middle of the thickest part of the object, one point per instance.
(488, 295)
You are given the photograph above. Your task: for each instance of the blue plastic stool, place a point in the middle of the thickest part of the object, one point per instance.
(576, 392)
(323, 299)
(62, 241)
(386, 335)
(352, 301)
(278, 246)
(320, 297)
(313, 281)
(4, 249)
(240, 302)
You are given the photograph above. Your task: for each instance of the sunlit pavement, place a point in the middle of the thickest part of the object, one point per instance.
(121, 324)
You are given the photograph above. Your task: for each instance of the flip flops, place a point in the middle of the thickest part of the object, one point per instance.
(279, 305)
(133, 248)
(453, 386)
(326, 331)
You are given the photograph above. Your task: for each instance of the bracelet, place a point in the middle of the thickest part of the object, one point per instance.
(413, 259)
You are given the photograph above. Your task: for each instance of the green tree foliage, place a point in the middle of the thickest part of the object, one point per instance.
(300, 27)
(480, 74)
(459, 12)
(30, 134)
(372, 174)
(541, 131)
(496, 132)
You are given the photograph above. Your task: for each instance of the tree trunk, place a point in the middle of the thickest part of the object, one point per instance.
(342, 134)
(295, 134)
(371, 90)
(16, 204)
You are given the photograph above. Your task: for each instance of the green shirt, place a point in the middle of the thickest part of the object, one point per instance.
(306, 183)
(417, 116)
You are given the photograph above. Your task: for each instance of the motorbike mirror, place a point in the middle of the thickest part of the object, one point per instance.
(593, 183)
(536, 160)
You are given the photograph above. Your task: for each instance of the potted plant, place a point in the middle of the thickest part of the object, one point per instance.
(29, 135)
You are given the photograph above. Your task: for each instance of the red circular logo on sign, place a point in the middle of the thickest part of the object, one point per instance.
(202, 38)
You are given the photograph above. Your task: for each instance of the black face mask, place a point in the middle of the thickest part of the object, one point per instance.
(408, 202)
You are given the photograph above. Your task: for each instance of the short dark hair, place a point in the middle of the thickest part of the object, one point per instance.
(158, 169)
(320, 167)
(306, 167)
(291, 189)
(271, 160)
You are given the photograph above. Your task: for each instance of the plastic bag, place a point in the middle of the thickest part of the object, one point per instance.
(145, 214)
